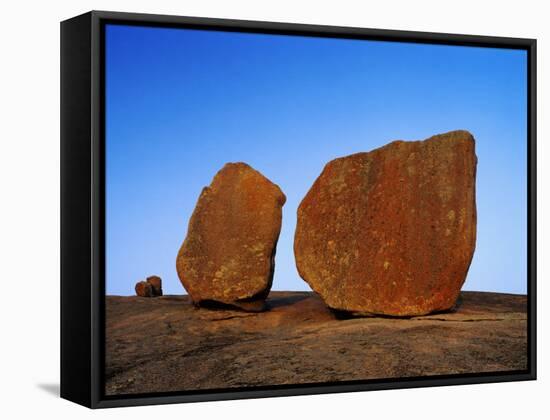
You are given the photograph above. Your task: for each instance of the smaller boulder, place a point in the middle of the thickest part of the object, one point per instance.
(156, 284)
(144, 289)
(228, 255)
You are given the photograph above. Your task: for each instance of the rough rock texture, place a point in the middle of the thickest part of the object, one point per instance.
(156, 284)
(144, 289)
(391, 231)
(228, 255)
(166, 344)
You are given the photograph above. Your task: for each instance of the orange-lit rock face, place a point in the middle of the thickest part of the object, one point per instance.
(391, 231)
(228, 255)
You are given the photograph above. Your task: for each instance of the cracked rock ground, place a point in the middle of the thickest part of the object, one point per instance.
(166, 344)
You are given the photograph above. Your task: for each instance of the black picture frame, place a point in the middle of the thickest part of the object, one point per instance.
(83, 210)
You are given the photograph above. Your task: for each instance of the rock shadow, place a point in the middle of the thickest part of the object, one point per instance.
(280, 301)
(346, 315)
(243, 306)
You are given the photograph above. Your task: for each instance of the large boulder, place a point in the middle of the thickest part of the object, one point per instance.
(391, 231)
(228, 256)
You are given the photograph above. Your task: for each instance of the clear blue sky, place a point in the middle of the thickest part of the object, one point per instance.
(182, 103)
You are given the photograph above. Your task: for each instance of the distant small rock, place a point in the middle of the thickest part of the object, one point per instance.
(228, 256)
(391, 231)
(144, 289)
(151, 287)
(156, 283)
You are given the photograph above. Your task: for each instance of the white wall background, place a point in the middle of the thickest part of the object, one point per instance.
(29, 214)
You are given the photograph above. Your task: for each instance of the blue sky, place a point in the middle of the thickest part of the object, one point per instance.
(181, 103)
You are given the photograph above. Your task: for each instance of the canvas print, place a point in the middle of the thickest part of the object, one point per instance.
(287, 210)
